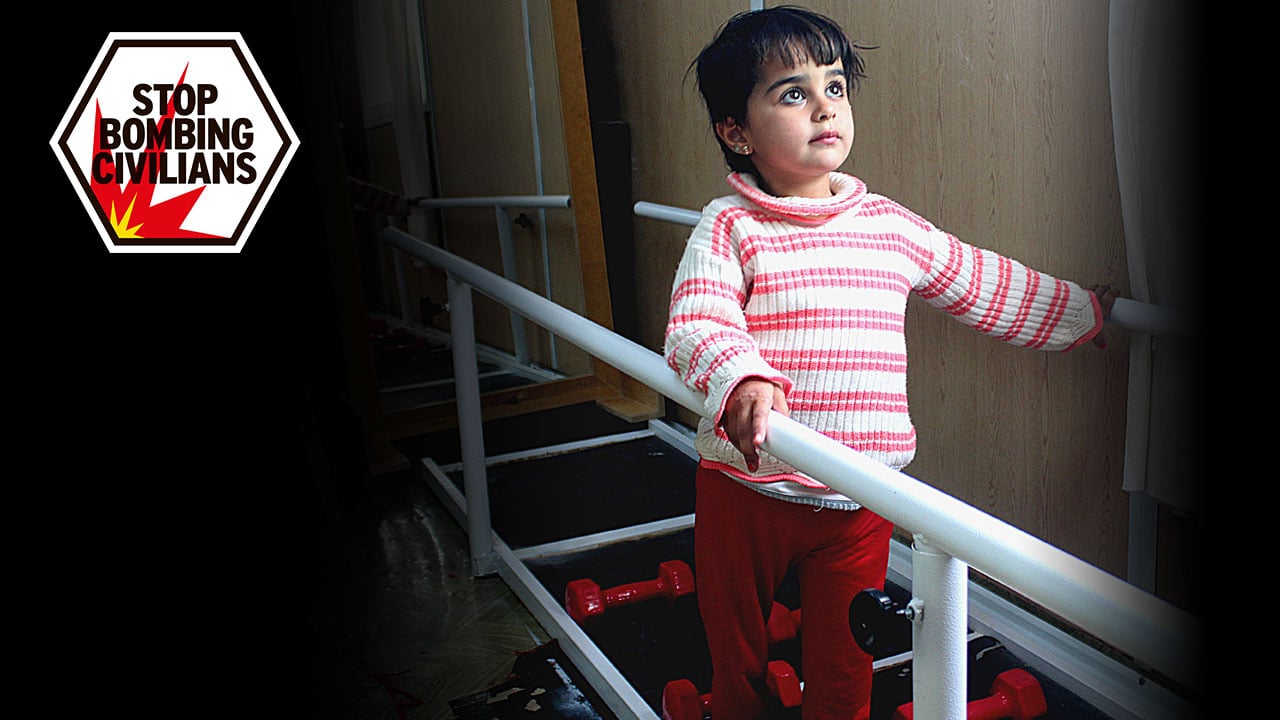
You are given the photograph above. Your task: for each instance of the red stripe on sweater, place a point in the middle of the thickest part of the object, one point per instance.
(683, 319)
(703, 380)
(876, 441)
(969, 298)
(946, 277)
(999, 296)
(838, 318)
(1024, 308)
(1057, 307)
(722, 229)
(858, 278)
(698, 286)
(840, 240)
(732, 342)
(862, 401)
(837, 360)
(882, 206)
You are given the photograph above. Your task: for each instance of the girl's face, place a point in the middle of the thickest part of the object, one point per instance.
(799, 127)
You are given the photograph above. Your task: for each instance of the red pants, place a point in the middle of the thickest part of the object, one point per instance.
(744, 543)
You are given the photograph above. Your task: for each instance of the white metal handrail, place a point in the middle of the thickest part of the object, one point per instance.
(1152, 631)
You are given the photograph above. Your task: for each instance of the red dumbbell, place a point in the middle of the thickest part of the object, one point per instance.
(584, 599)
(783, 683)
(783, 624)
(1014, 694)
(681, 701)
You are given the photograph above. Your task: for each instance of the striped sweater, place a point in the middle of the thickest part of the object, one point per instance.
(812, 294)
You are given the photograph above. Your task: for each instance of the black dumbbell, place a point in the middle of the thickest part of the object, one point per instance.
(878, 623)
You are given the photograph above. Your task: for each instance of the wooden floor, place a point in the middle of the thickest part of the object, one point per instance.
(391, 622)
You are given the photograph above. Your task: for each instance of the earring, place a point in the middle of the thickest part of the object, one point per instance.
(743, 149)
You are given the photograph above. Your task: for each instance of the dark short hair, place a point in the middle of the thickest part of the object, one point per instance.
(728, 68)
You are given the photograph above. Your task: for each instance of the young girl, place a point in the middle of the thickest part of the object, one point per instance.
(791, 296)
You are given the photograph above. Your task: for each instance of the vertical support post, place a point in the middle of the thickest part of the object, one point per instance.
(507, 247)
(1143, 511)
(940, 672)
(402, 286)
(466, 380)
(1144, 526)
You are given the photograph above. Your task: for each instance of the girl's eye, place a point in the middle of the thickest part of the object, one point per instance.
(835, 89)
(792, 95)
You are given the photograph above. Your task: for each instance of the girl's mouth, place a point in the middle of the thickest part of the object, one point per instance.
(827, 138)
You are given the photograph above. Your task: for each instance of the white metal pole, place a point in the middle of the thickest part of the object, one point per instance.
(519, 342)
(666, 213)
(1143, 510)
(466, 383)
(537, 160)
(939, 630)
(402, 286)
(1154, 319)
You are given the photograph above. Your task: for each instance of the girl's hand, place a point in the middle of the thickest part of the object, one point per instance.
(1106, 299)
(746, 416)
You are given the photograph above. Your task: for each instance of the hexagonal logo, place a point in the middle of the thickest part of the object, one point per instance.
(174, 142)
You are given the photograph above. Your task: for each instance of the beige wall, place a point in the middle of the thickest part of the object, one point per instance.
(993, 121)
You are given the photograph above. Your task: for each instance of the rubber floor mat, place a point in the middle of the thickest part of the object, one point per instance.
(588, 491)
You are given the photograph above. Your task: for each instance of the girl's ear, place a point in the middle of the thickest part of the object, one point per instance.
(731, 133)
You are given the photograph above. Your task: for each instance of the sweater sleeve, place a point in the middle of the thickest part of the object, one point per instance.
(1005, 299)
(707, 342)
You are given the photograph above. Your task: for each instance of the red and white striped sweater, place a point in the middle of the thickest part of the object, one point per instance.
(812, 294)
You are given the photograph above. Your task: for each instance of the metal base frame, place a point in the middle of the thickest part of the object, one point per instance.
(1100, 680)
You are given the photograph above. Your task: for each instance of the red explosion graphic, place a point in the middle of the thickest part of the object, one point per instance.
(130, 208)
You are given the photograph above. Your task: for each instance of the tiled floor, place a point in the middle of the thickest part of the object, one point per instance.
(394, 625)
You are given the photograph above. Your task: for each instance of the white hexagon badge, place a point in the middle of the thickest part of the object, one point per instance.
(174, 142)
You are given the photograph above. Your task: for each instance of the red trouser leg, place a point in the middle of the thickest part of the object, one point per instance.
(744, 542)
(837, 673)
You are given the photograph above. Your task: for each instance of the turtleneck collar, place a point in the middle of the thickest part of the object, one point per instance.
(847, 191)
